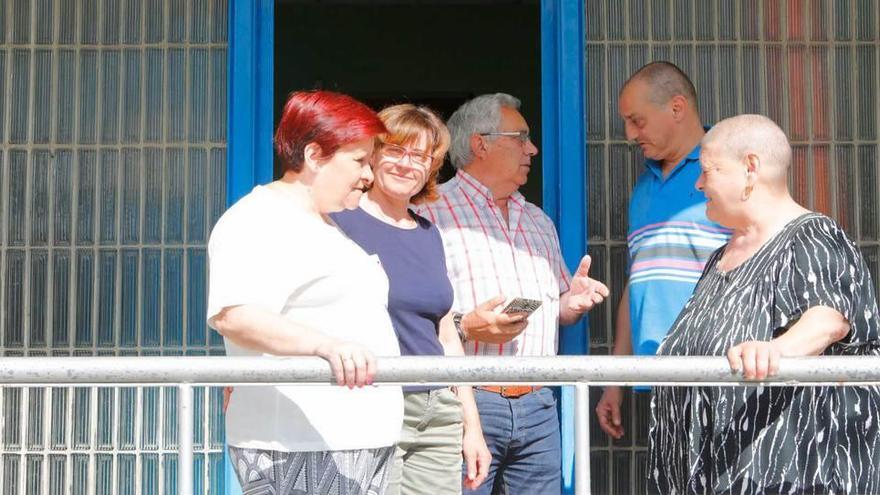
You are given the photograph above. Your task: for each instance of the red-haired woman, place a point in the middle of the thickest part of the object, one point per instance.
(284, 282)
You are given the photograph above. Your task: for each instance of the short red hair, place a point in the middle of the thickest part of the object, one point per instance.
(330, 120)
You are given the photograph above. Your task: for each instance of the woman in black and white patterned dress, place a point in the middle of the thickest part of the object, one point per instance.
(789, 283)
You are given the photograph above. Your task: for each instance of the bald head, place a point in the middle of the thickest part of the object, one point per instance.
(664, 81)
(739, 136)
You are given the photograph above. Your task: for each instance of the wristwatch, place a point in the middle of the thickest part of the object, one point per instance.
(456, 320)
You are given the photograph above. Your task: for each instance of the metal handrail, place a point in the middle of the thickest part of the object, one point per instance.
(557, 370)
(580, 371)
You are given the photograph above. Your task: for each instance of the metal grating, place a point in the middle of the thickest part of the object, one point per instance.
(112, 172)
(811, 65)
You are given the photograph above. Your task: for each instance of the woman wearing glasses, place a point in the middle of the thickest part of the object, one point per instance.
(439, 425)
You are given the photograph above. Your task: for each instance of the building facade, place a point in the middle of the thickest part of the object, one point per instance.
(124, 134)
(810, 65)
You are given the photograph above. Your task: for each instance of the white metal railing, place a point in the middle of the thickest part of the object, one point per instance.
(580, 371)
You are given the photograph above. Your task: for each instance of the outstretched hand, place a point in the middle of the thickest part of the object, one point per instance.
(585, 292)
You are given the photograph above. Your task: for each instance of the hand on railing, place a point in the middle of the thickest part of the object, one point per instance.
(352, 364)
(756, 359)
(608, 411)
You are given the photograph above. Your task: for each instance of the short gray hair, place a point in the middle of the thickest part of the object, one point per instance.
(749, 133)
(481, 114)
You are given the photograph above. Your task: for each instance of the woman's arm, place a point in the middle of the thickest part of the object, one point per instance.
(815, 331)
(260, 330)
(474, 450)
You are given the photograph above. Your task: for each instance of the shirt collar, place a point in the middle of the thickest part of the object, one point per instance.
(473, 187)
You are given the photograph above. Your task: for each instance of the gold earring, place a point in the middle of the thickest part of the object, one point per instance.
(747, 192)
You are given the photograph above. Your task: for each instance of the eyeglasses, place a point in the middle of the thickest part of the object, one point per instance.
(522, 136)
(398, 153)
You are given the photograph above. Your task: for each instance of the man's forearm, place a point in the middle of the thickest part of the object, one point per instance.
(623, 328)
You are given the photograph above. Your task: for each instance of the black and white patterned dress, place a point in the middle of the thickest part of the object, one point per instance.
(771, 439)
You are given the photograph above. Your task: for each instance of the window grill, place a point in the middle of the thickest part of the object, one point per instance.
(112, 172)
(810, 65)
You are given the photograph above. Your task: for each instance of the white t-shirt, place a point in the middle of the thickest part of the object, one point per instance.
(266, 251)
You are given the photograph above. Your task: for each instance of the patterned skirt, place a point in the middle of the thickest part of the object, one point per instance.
(345, 472)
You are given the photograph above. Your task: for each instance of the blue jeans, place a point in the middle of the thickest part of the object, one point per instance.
(523, 436)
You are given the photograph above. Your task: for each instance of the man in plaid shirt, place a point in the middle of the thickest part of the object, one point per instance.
(499, 246)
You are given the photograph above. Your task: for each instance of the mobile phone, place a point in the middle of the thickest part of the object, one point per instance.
(521, 305)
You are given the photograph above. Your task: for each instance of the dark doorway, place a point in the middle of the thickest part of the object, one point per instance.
(434, 53)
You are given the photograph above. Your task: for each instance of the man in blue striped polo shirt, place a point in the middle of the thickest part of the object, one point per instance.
(670, 237)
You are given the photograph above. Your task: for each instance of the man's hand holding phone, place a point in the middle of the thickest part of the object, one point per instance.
(521, 305)
(490, 322)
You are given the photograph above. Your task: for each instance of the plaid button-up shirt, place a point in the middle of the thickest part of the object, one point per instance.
(487, 257)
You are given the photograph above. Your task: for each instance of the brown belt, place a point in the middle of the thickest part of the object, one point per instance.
(511, 391)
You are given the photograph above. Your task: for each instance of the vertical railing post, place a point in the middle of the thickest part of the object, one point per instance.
(184, 439)
(582, 439)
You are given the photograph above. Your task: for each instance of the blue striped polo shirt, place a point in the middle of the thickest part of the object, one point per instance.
(669, 241)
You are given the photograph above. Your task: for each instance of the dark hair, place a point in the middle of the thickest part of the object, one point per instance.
(665, 81)
(330, 120)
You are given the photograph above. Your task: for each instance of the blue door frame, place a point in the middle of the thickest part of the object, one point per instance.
(563, 114)
(563, 107)
(249, 94)
(249, 121)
